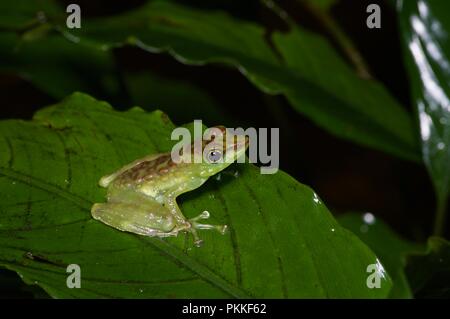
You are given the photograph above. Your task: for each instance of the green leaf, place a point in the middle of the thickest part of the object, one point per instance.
(425, 30)
(181, 99)
(356, 109)
(388, 246)
(57, 66)
(429, 272)
(283, 241)
(31, 48)
(300, 65)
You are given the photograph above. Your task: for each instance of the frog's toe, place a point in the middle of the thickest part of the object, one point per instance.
(204, 215)
(223, 229)
(220, 228)
(196, 225)
(197, 241)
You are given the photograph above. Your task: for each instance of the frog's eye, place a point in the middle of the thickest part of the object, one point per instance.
(214, 156)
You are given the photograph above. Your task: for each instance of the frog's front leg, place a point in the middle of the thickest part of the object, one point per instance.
(172, 205)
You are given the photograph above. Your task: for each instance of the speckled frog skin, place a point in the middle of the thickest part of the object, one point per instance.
(142, 195)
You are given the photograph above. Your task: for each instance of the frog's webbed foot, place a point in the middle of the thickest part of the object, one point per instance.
(196, 225)
(205, 215)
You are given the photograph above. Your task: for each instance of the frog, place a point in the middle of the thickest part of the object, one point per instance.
(142, 195)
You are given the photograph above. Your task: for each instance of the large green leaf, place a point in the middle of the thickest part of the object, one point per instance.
(300, 65)
(181, 99)
(355, 109)
(57, 66)
(283, 242)
(429, 271)
(389, 247)
(425, 29)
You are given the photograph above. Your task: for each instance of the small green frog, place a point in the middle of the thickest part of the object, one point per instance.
(142, 195)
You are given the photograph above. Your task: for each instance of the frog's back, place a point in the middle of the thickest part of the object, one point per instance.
(140, 171)
(146, 171)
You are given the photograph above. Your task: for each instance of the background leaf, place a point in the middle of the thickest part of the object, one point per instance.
(356, 109)
(183, 99)
(425, 30)
(283, 242)
(31, 48)
(389, 247)
(429, 272)
(58, 66)
(292, 64)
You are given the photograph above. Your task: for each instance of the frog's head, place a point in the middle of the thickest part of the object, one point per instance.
(220, 149)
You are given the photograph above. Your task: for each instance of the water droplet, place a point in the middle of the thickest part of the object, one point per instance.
(380, 269)
(204, 215)
(41, 17)
(364, 228)
(441, 146)
(141, 290)
(369, 218)
(316, 199)
(332, 229)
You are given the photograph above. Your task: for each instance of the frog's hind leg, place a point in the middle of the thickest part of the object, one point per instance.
(171, 204)
(135, 218)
